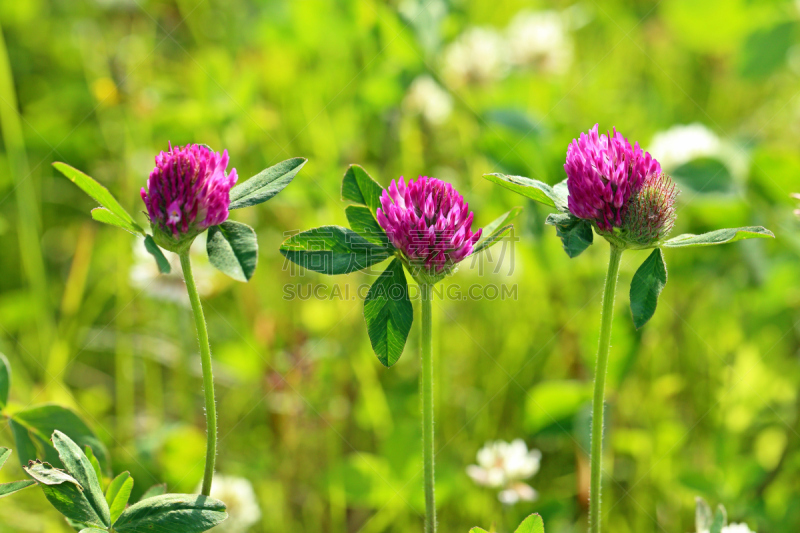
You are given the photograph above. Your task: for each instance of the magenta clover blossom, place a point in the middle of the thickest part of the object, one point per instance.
(603, 172)
(429, 222)
(422, 226)
(188, 191)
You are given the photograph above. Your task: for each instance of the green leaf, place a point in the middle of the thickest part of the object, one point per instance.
(702, 515)
(5, 453)
(101, 214)
(704, 175)
(65, 494)
(389, 313)
(363, 222)
(360, 188)
(266, 184)
(15, 486)
(534, 189)
(646, 286)
(99, 193)
(5, 380)
(187, 513)
(575, 233)
(764, 51)
(40, 421)
(118, 493)
(501, 221)
(155, 490)
(496, 230)
(532, 524)
(478, 530)
(492, 239)
(98, 470)
(333, 250)
(233, 249)
(26, 449)
(719, 236)
(163, 264)
(720, 520)
(92, 530)
(80, 468)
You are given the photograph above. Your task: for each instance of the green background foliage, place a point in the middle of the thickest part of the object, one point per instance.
(703, 400)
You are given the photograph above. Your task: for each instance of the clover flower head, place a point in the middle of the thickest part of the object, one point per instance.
(796, 196)
(187, 192)
(240, 499)
(651, 210)
(603, 172)
(733, 528)
(429, 222)
(503, 465)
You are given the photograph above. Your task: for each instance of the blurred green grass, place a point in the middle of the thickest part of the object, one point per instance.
(703, 400)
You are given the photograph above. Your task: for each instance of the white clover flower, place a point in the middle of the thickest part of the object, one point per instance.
(796, 196)
(503, 465)
(144, 274)
(737, 528)
(479, 55)
(238, 495)
(427, 98)
(540, 40)
(683, 143)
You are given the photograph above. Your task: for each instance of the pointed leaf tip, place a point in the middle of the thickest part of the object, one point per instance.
(720, 236)
(266, 184)
(646, 286)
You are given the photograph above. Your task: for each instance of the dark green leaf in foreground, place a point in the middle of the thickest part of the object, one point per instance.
(162, 262)
(5, 380)
(170, 513)
(100, 194)
(65, 494)
(37, 424)
(575, 233)
(646, 286)
(233, 249)
(554, 196)
(358, 187)
(363, 222)
(389, 313)
(266, 184)
(79, 467)
(92, 530)
(719, 236)
(333, 250)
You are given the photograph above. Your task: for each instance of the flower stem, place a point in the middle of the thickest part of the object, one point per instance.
(599, 389)
(208, 377)
(426, 390)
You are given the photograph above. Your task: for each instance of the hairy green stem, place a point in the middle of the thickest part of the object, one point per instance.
(599, 389)
(208, 376)
(426, 390)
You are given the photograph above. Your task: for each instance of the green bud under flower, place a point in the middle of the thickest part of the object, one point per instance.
(650, 213)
